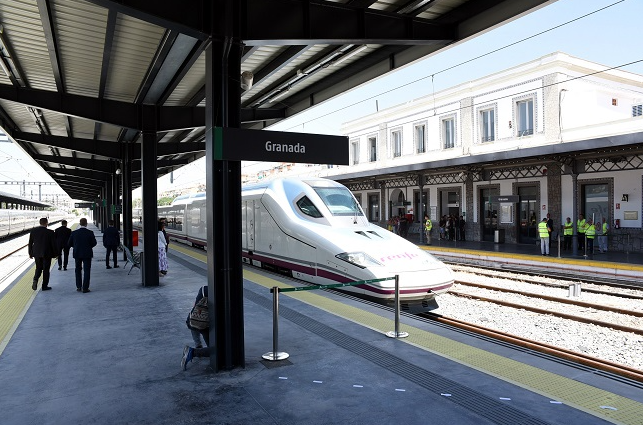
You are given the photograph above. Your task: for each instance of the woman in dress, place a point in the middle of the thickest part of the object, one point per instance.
(162, 250)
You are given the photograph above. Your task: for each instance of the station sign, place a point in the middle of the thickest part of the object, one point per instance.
(117, 209)
(238, 144)
(84, 205)
(505, 199)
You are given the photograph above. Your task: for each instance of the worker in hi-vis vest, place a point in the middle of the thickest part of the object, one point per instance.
(428, 226)
(543, 233)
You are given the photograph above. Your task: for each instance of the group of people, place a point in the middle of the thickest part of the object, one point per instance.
(587, 232)
(399, 224)
(452, 227)
(45, 245)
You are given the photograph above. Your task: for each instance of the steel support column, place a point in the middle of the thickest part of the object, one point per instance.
(150, 264)
(109, 198)
(223, 200)
(127, 196)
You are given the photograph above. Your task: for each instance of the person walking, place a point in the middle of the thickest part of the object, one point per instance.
(602, 239)
(62, 236)
(198, 350)
(568, 231)
(111, 240)
(83, 240)
(428, 226)
(42, 248)
(543, 232)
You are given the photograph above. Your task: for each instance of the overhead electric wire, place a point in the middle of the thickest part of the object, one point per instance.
(432, 75)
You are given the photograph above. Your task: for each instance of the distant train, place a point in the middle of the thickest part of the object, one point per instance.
(13, 222)
(314, 230)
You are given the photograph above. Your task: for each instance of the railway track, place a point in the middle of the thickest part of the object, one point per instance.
(590, 285)
(548, 273)
(590, 361)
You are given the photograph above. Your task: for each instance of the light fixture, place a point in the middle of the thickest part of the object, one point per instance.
(247, 78)
(625, 198)
(349, 55)
(118, 171)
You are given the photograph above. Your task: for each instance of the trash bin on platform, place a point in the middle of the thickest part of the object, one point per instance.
(134, 237)
(499, 236)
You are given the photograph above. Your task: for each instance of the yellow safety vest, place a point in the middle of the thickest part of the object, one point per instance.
(580, 225)
(428, 225)
(591, 231)
(542, 230)
(605, 228)
(568, 228)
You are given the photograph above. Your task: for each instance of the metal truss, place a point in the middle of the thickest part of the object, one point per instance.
(406, 181)
(518, 172)
(618, 163)
(363, 185)
(446, 178)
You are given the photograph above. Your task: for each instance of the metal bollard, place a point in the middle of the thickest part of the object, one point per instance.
(558, 244)
(572, 290)
(275, 354)
(397, 333)
(577, 289)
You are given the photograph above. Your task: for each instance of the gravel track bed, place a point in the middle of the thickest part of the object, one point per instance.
(598, 341)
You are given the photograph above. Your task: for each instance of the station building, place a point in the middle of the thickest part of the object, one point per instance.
(558, 135)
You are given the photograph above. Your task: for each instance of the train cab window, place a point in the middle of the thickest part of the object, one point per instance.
(307, 207)
(340, 201)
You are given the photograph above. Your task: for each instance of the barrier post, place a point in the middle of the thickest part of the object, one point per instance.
(572, 290)
(558, 244)
(397, 333)
(275, 354)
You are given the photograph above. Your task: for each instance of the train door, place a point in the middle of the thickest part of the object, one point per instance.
(489, 213)
(528, 214)
(250, 225)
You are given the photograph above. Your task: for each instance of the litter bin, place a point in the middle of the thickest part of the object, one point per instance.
(499, 236)
(134, 237)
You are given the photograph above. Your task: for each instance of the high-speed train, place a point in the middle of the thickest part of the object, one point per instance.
(14, 221)
(314, 230)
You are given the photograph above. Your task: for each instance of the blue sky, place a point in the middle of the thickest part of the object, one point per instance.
(610, 37)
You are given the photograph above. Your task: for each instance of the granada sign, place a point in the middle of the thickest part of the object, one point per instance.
(238, 144)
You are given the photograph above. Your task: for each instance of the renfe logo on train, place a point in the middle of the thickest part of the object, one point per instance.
(240, 144)
(404, 256)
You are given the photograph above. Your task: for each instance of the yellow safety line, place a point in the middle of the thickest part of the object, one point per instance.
(582, 396)
(15, 303)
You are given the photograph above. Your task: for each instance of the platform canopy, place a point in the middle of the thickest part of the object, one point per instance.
(81, 78)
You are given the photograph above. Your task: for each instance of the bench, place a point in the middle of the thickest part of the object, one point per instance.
(134, 258)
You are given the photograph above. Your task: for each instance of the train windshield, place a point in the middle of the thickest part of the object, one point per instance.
(339, 200)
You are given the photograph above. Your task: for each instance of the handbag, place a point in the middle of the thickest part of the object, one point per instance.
(199, 317)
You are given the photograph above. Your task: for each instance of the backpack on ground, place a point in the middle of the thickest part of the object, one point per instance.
(199, 318)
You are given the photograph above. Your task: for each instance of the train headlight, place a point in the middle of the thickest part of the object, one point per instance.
(359, 259)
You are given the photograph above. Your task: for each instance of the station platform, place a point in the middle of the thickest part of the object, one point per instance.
(112, 356)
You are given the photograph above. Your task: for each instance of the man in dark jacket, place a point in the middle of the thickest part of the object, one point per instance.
(62, 236)
(111, 240)
(82, 240)
(42, 248)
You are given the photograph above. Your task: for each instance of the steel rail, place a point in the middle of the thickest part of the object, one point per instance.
(551, 313)
(603, 365)
(550, 298)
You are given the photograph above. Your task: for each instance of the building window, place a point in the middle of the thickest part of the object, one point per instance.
(420, 138)
(487, 125)
(525, 117)
(637, 110)
(396, 143)
(372, 143)
(355, 153)
(448, 133)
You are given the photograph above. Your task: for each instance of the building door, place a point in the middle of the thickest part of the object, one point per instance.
(595, 204)
(528, 215)
(489, 213)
